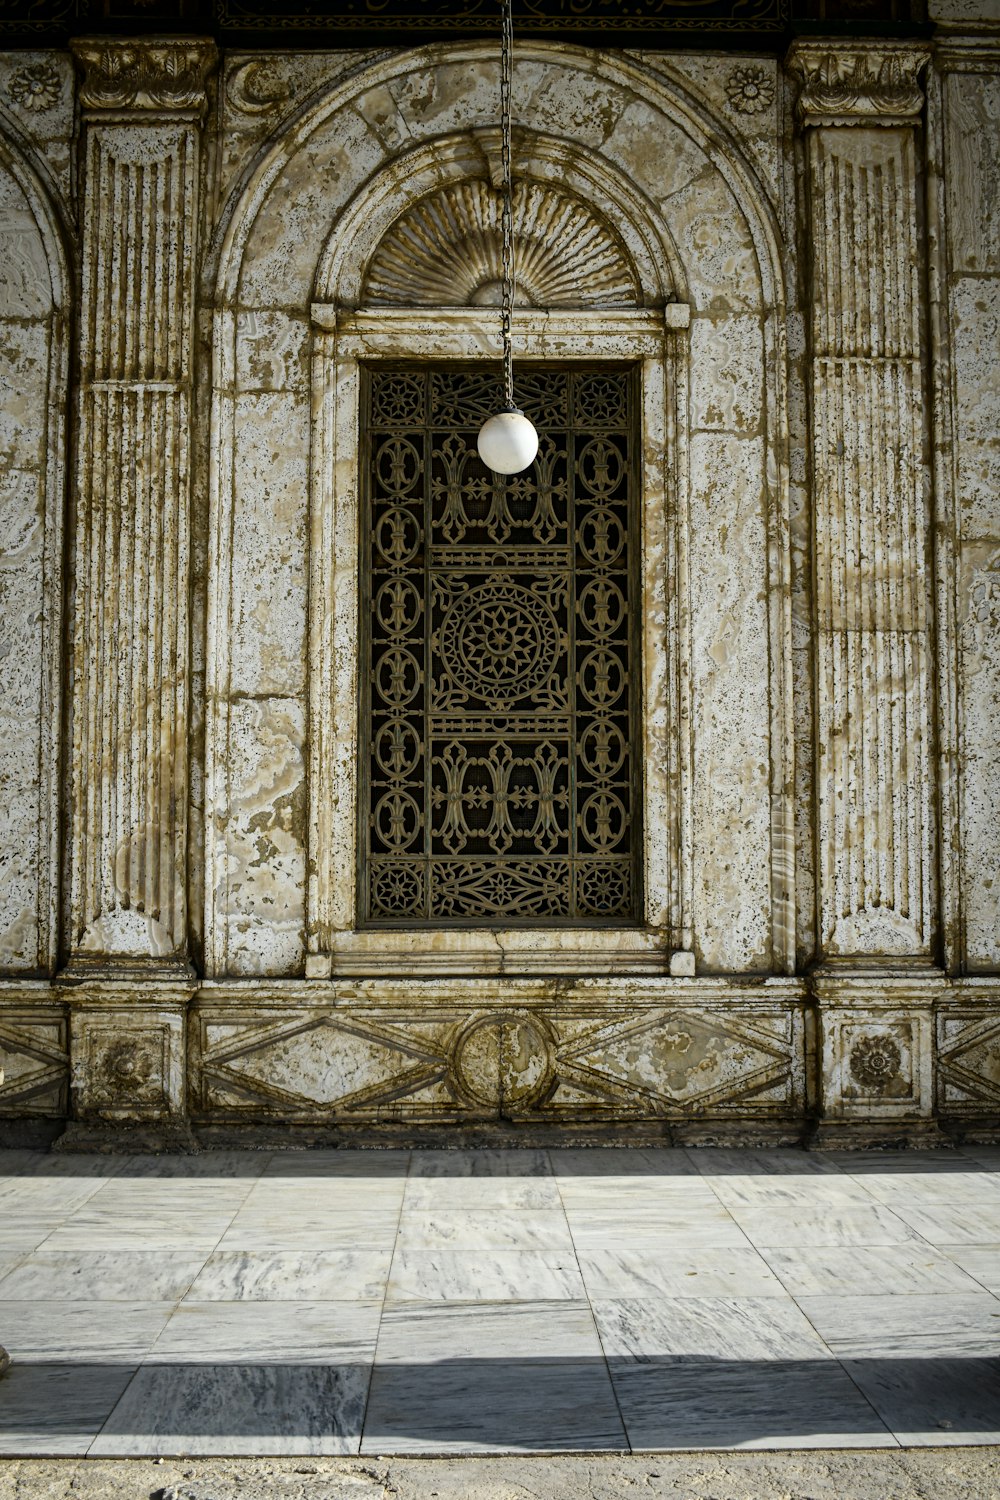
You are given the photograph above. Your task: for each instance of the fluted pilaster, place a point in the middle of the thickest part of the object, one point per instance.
(859, 105)
(142, 108)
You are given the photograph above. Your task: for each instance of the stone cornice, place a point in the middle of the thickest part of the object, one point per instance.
(859, 83)
(141, 75)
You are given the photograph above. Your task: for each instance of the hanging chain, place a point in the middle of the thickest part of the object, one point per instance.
(507, 207)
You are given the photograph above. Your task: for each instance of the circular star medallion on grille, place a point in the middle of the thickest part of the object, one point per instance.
(499, 641)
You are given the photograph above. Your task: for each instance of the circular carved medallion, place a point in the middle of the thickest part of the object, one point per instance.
(504, 1061)
(499, 641)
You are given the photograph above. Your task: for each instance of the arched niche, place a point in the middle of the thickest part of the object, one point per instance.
(34, 332)
(294, 268)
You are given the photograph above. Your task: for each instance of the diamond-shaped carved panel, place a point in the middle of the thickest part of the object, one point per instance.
(35, 1063)
(969, 1061)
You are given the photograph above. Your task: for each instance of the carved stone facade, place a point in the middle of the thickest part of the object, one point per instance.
(793, 268)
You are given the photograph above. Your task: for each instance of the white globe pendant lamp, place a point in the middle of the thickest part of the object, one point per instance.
(507, 442)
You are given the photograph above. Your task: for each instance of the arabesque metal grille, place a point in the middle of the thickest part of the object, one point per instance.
(498, 653)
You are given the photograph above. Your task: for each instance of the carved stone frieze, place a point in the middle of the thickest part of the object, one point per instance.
(441, 1052)
(445, 252)
(144, 75)
(34, 1057)
(851, 83)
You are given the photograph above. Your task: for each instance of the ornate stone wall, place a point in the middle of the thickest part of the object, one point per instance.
(798, 259)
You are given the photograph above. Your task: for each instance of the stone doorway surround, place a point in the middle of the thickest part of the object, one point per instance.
(805, 946)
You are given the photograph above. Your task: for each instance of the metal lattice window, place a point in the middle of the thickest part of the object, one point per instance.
(498, 781)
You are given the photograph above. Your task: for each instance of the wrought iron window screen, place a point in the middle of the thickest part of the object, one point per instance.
(499, 783)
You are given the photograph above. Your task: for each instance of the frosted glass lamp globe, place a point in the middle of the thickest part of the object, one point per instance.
(507, 443)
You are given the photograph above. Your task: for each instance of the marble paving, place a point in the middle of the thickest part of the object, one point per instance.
(345, 1302)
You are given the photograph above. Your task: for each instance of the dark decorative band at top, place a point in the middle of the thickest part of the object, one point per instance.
(860, 83)
(134, 74)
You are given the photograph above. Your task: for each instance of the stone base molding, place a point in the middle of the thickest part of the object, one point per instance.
(870, 1055)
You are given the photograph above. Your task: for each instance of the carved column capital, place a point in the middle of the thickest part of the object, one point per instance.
(858, 83)
(140, 76)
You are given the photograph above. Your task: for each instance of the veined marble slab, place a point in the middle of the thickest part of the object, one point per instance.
(953, 1224)
(317, 1166)
(480, 1164)
(475, 1231)
(932, 1190)
(192, 1232)
(349, 1229)
(981, 1262)
(503, 1194)
(20, 1233)
(718, 1161)
(667, 1229)
(58, 1332)
(942, 1326)
(729, 1373)
(690, 1272)
(573, 1163)
(292, 1276)
(789, 1228)
(57, 1409)
(102, 1276)
(888, 1270)
(444, 1275)
(818, 1192)
(306, 1333)
(238, 1408)
(624, 1195)
(933, 1402)
(523, 1377)
(208, 1165)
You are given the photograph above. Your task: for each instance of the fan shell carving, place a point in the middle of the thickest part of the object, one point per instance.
(446, 252)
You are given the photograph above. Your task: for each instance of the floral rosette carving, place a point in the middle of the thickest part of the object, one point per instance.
(749, 90)
(36, 87)
(875, 1061)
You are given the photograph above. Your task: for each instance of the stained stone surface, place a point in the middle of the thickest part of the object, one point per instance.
(801, 259)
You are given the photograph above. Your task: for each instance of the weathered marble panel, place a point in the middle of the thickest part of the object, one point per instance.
(270, 550)
(979, 658)
(975, 319)
(731, 709)
(262, 899)
(26, 349)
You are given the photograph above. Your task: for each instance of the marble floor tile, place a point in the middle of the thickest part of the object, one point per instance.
(791, 1228)
(191, 1233)
(803, 1195)
(885, 1270)
(20, 1233)
(308, 1229)
(667, 1229)
(92, 1332)
(719, 1161)
(980, 1262)
(636, 1195)
(102, 1276)
(901, 1163)
(718, 1328)
(274, 1333)
(513, 1377)
(480, 1164)
(47, 1195)
(729, 1373)
(501, 1194)
(291, 1276)
(953, 1224)
(600, 1162)
(933, 1402)
(326, 1195)
(443, 1275)
(945, 1325)
(207, 1165)
(297, 1166)
(474, 1231)
(702, 1272)
(57, 1409)
(238, 1409)
(933, 1189)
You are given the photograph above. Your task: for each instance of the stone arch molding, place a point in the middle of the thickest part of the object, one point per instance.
(587, 234)
(675, 198)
